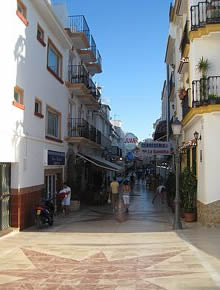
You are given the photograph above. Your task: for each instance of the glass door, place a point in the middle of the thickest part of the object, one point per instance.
(50, 182)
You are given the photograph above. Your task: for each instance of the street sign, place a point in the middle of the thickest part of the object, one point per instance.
(155, 148)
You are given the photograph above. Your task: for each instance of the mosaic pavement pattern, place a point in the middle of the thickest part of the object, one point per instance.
(94, 250)
(110, 267)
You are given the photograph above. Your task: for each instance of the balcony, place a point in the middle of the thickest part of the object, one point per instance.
(106, 142)
(184, 45)
(94, 91)
(88, 55)
(80, 131)
(207, 12)
(79, 32)
(95, 67)
(206, 91)
(185, 105)
(78, 80)
(81, 85)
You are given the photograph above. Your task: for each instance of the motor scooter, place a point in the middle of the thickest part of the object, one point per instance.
(44, 214)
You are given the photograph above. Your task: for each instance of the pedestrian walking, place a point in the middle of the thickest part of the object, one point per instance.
(65, 195)
(126, 189)
(115, 193)
(147, 181)
(161, 190)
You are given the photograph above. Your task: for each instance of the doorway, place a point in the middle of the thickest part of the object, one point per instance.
(5, 178)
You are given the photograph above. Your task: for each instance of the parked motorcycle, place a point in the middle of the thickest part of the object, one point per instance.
(45, 213)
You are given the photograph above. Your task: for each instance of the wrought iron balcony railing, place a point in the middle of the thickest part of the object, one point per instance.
(98, 58)
(78, 127)
(78, 23)
(185, 39)
(92, 45)
(207, 12)
(77, 74)
(106, 142)
(94, 90)
(92, 133)
(206, 91)
(99, 137)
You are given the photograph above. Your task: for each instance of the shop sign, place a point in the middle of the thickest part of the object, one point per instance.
(56, 158)
(155, 148)
(130, 142)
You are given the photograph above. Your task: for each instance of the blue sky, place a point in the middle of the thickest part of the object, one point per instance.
(131, 37)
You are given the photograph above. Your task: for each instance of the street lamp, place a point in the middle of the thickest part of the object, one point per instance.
(176, 128)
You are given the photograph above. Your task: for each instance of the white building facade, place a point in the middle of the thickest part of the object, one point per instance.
(194, 39)
(49, 112)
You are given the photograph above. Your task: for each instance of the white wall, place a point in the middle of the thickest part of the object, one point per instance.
(24, 64)
(208, 48)
(208, 174)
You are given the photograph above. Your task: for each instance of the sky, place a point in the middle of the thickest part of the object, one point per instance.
(131, 37)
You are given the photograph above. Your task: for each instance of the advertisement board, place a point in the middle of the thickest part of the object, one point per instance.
(130, 142)
(155, 148)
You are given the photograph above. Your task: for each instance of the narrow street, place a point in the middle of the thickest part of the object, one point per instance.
(94, 249)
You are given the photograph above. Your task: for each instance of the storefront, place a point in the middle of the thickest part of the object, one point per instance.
(53, 174)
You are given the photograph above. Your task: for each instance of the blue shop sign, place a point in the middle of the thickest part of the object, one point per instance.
(56, 158)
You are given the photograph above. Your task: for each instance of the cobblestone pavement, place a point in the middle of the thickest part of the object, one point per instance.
(94, 249)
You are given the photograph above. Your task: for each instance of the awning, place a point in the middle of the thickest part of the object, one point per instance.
(100, 162)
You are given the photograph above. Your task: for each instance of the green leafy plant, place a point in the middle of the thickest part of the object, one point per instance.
(188, 188)
(203, 66)
(213, 97)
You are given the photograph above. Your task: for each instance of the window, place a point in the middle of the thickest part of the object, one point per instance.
(18, 98)
(54, 61)
(22, 12)
(38, 108)
(53, 130)
(40, 35)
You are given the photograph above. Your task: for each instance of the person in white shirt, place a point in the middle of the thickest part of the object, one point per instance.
(161, 190)
(66, 201)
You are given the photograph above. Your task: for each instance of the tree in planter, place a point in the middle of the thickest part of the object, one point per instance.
(203, 67)
(188, 188)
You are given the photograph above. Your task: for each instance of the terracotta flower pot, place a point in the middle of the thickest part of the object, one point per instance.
(189, 217)
(181, 97)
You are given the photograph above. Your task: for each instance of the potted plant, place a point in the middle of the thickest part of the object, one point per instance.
(188, 188)
(182, 93)
(203, 67)
(212, 99)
